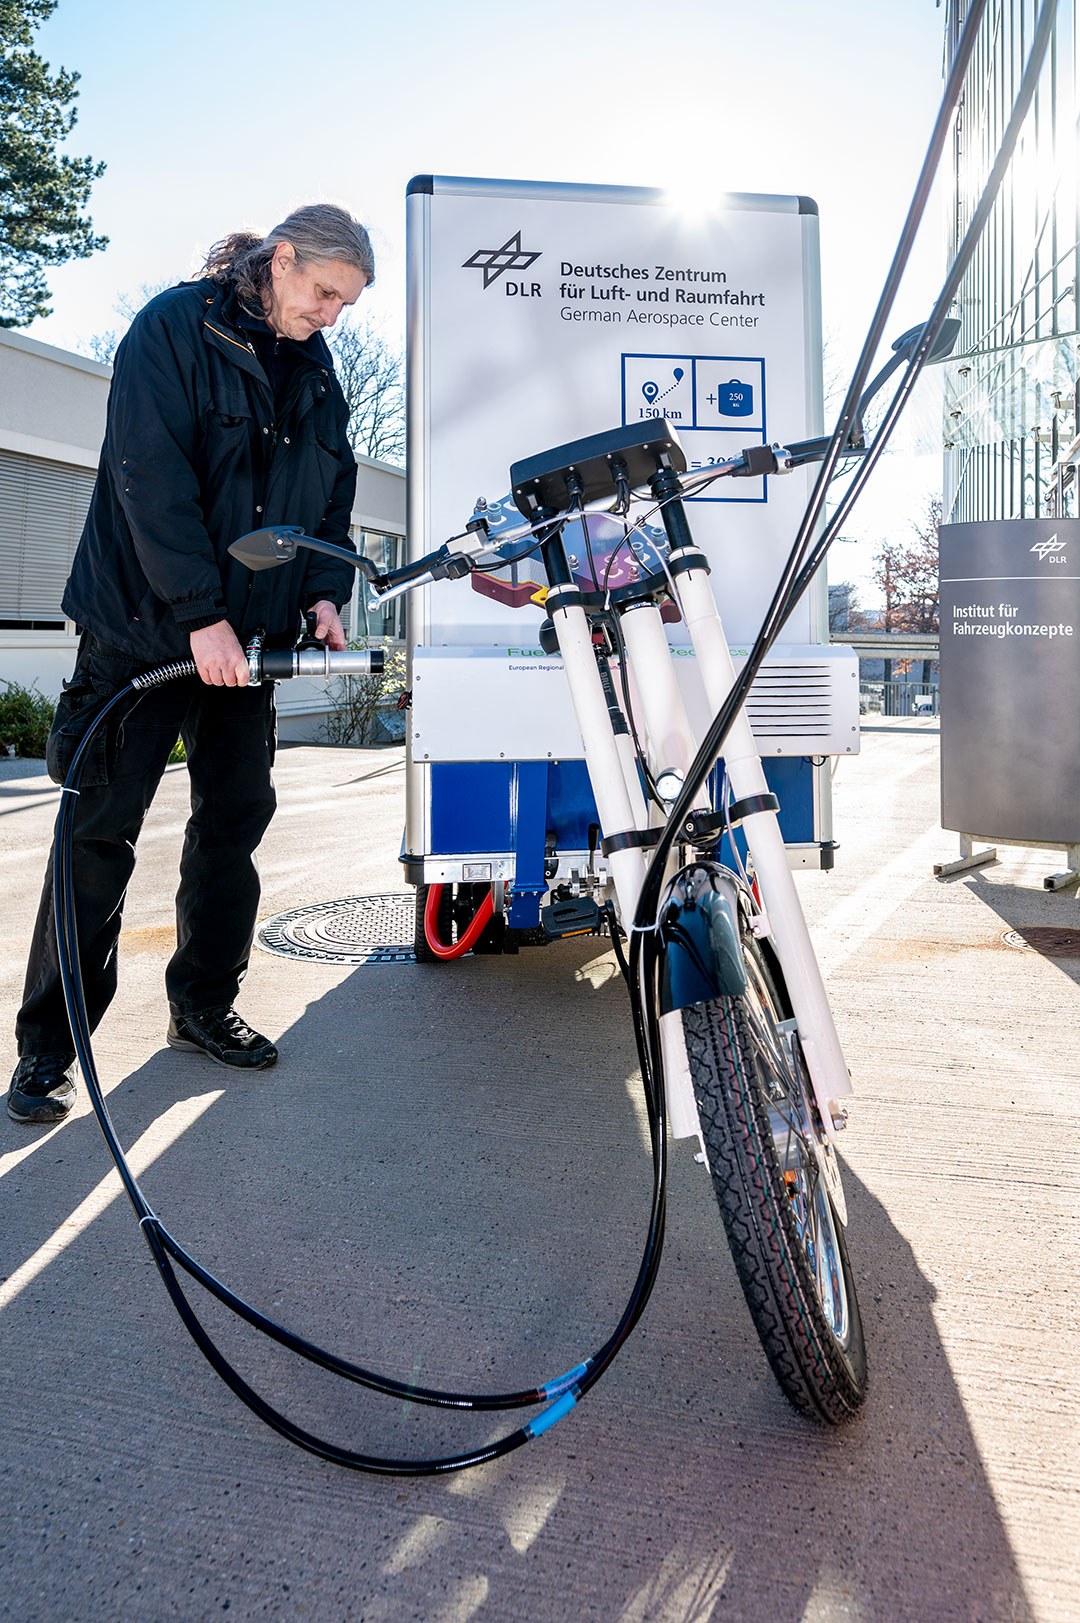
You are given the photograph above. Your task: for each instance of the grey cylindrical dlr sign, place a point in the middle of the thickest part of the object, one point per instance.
(1010, 679)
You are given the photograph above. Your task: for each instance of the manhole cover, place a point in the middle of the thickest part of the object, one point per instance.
(354, 930)
(1052, 940)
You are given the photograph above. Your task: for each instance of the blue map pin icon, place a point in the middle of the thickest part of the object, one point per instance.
(678, 374)
(650, 391)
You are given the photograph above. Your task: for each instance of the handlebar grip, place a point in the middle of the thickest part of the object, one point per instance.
(408, 574)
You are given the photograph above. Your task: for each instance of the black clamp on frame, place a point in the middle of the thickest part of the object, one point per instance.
(634, 838)
(752, 803)
(688, 558)
(705, 828)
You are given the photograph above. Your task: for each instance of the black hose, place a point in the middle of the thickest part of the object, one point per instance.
(559, 1394)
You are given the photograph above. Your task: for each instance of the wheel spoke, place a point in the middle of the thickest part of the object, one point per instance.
(783, 1088)
(761, 1135)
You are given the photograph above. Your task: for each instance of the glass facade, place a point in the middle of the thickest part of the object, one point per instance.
(1012, 388)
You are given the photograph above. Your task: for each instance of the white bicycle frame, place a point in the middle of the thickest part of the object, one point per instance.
(670, 743)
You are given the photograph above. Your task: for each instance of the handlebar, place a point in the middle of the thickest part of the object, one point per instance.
(612, 463)
(565, 483)
(568, 483)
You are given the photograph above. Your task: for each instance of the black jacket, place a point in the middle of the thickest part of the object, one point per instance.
(192, 459)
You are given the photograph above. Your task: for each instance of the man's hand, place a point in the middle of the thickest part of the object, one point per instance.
(221, 661)
(328, 626)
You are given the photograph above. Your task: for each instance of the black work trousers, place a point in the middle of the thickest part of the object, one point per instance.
(228, 736)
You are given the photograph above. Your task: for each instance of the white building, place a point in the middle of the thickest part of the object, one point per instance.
(52, 422)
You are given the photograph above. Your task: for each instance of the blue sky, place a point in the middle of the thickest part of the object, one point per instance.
(212, 116)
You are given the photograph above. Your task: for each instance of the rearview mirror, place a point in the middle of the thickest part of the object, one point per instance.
(277, 544)
(262, 549)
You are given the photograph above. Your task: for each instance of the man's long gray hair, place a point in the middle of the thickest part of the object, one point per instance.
(318, 231)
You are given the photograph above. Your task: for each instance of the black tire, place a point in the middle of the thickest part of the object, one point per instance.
(756, 1113)
(492, 936)
(444, 922)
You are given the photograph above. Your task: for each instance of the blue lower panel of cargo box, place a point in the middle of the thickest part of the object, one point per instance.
(532, 807)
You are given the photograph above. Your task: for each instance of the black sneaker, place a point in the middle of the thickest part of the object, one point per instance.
(42, 1089)
(222, 1036)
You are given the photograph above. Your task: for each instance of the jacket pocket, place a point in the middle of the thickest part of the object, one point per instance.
(230, 401)
(232, 448)
(144, 610)
(327, 466)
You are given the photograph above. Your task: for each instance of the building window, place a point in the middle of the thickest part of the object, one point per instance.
(386, 552)
(42, 509)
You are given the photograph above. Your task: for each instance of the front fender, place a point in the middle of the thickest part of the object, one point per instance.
(699, 927)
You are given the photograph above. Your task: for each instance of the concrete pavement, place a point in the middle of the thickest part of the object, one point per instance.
(445, 1178)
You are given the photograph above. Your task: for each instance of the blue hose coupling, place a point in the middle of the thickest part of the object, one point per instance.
(563, 1383)
(553, 1413)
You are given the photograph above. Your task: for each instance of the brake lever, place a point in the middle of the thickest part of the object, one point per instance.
(449, 568)
(376, 601)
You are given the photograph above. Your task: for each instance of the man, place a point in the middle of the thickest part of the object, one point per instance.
(224, 416)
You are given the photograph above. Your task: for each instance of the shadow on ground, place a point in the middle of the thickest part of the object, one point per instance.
(446, 1178)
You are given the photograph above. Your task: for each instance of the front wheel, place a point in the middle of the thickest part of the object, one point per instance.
(758, 1127)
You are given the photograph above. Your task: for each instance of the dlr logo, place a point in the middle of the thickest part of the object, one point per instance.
(523, 291)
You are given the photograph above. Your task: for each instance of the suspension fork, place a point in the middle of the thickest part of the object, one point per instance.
(623, 739)
(620, 802)
(742, 760)
(670, 735)
(669, 738)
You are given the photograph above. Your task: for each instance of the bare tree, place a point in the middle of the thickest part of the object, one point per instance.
(355, 701)
(907, 574)
(371, 374)
(101, 346)
(834, 380)
(845, 613)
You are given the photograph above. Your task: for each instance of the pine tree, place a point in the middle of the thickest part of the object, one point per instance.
(43, 192)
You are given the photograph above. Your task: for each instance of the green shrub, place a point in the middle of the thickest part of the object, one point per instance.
(356, 700)
(25, 718)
